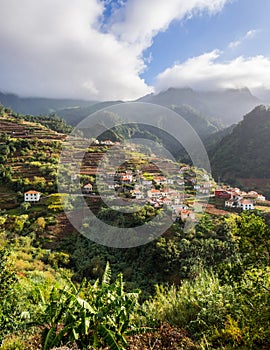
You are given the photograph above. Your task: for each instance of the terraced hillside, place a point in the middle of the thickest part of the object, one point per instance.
(29, 154)
(19, 128)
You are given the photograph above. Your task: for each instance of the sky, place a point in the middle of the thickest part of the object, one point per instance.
(124, 49)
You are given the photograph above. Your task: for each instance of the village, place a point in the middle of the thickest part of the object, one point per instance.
(183, 189)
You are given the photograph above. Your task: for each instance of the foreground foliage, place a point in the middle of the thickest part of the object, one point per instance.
(91, 315)
(218, 298)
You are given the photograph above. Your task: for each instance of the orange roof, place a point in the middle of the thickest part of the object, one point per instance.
(186, 211)
(155, 191)
(246, 201)
(32, 192)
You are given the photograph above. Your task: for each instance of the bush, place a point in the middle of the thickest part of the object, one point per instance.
(9, 311)
(222, 314)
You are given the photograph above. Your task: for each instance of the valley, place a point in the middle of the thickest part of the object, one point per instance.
(217, 261)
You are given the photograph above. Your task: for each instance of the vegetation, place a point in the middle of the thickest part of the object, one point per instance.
(207, 288)
(212, 288)
(242, 157)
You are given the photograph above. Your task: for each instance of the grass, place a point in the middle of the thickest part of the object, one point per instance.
(265, 209)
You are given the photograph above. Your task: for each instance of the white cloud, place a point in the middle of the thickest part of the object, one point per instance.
(59, 48)
(249, 35)
(206, 73)
(53, 48)
(234, 44)
(140, 20)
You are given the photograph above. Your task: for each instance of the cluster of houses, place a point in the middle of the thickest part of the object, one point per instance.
(234, 198)
(159, 190)
(155, 188)
(105, 143)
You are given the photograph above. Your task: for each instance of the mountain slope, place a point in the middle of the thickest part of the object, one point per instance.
(244, 153)
(226, 105)
(229, 105)
(73, 115)
(203, 126)
(36, 106)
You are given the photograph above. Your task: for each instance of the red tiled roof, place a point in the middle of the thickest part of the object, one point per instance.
(88, 186)
(246, 201)
(32, 192)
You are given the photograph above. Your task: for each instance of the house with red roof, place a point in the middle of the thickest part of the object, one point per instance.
(187, 214)
(153, 194)
(137, 194)
(221, 193)
(88, 188)
(126, 178)
(32, 196)
(246, 204)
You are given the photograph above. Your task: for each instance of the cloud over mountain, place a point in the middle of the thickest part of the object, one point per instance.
(62, 49)
(207, 72)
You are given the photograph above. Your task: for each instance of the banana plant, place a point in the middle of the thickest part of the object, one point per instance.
(90, 315)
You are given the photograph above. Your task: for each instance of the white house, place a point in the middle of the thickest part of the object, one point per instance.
(160, 180)
(147, 183)
(230, 203)
(261, 197)
(88, 188)
(246, 204)
(137, 194)
(127, 178)
(32, 196)
(153, 194)
(170, 181)
(166, 201)
(107, 142)
(165, 192)
(187, 215)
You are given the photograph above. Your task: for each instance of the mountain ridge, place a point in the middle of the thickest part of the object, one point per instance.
(225, 105)
(244, 153)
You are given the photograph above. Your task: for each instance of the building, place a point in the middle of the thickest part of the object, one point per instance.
(153, 194)
(231, 203)
(160, 180)
(137, 194)
(32, 196)
(127, 178)
(246, 204)
(88, 188)
(147, 183)
(107, 142)
(187, 215)
(260, 197)
(243, 204)
(222, 194)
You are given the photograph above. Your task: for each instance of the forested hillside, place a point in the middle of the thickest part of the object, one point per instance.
(203, 288)
(242, 157)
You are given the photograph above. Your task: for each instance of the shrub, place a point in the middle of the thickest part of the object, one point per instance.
(9, 312)
(223, 314)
